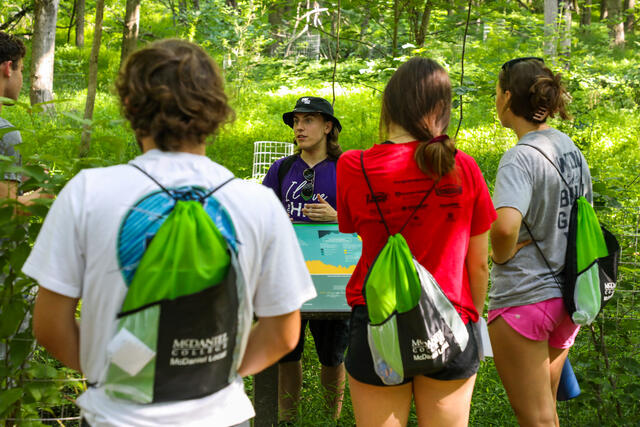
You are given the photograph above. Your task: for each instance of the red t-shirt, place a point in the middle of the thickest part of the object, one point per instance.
(438, 235)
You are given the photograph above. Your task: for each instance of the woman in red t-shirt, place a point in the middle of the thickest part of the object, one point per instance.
(447, 235)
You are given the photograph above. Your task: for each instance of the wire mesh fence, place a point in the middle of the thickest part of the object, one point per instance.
(265, 153)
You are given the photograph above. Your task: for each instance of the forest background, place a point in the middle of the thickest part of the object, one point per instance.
(273, 52)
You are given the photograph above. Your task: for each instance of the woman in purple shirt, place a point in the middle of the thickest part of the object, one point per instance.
(305, 183)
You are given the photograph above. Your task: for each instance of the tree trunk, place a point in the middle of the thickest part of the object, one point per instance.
(295, 35)
(42, 55)
(604, 9)
(80, 6)
(182, 12)
(550, 28)
(585, 18)
(420, 22)
(275, 17)
(71, 21)
(130, 29)
(616, 22)
(93, 78)
(172, 6)
(565, 33)
(629, 6)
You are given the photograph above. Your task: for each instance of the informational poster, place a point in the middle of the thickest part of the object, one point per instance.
(331, 258)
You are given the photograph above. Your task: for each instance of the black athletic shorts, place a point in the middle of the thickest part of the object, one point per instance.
(331, 338)
(359, 363)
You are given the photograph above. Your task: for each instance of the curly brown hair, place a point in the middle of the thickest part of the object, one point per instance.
(11, 49)
(173, 91)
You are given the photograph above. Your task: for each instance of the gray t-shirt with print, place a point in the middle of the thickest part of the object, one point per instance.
(8, 141)
(528, 182)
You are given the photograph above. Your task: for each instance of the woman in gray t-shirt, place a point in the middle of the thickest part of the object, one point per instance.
(530, 330)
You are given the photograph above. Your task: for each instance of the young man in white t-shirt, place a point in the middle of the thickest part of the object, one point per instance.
(94, 236)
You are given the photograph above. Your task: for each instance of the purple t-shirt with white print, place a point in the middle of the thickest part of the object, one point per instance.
(292, 183)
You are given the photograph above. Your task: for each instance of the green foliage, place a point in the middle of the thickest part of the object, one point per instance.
(30, 380)
(604, 84)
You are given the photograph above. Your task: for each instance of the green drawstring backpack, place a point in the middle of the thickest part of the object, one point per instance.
(591, 259)
(177, 332)
(413, 327)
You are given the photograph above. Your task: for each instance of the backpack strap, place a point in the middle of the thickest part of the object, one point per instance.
(373, 197)
(533, 239)
(285, 167)
(554, 165)
(154, 180)
(201, 199)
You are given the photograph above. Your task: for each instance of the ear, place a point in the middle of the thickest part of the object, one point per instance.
(507, 97)
(5, 69)
(507, 101)
(328, 125)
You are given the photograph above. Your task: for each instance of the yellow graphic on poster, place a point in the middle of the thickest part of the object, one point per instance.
(319, 267)
(327, 251)
(331, 258)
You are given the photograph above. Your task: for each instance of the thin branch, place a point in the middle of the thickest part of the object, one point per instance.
(17, 17)
(459, 24)
(372, 46)
(464, 45)
(525, 6)
(335, 57)
(71, 23)
(370, 87)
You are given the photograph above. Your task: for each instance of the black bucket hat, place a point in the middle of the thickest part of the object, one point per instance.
(311, 104)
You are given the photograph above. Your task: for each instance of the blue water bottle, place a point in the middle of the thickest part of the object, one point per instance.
(568, 387)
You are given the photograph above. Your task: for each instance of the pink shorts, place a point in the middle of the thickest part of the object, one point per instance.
(543, 321)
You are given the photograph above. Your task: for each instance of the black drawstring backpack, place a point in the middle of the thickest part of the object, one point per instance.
(591, 260)
(413, 327)
(178, 333)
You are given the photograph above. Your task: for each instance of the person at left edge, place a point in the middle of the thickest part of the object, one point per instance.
(12, 52)
(307, 189)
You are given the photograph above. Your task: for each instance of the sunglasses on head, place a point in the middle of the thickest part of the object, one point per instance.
(307, 189)
(509, 64)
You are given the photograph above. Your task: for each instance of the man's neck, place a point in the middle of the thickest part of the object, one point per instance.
(147, 143)
(314, 157)
(2, 89)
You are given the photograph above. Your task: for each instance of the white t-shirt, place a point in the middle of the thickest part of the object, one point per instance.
(75, 255)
